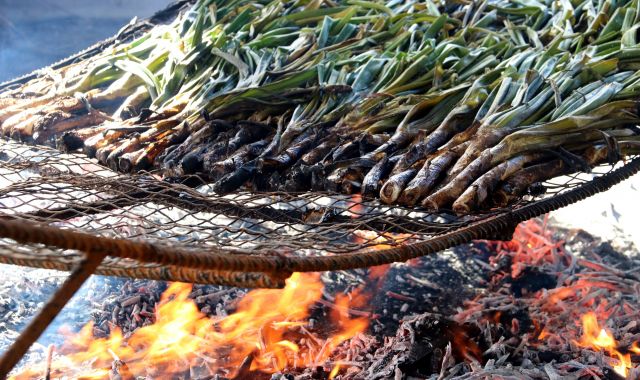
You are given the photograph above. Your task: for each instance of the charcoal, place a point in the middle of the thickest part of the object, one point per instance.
(478, 311)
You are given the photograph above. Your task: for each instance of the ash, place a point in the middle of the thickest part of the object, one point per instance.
(522, 320)
(507, 310)
(23, 292)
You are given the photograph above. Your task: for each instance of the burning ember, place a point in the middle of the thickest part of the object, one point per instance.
(381, 241)
(598, 338)
(269, 332)
(563, 311)
(535, 307)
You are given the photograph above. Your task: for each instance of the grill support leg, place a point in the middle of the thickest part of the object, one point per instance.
(47, 314)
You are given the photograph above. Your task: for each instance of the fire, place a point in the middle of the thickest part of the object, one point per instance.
(380, 241)
(267, 333)
(467, 349)
(378, 273)
(597, 338)
(384, 240)
(532, 245)
(584, 295)
(355, 207)
(334, 372)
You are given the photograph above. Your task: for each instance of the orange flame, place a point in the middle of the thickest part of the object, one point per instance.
(267, 331)
(355, 207)
(382, 240)
(597, 338)
(543, 334)
(467, 349)
(334, 372)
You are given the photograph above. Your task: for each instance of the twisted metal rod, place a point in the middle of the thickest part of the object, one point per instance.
(47, 314)
(279, 266)
(97, 248)
(161, 273)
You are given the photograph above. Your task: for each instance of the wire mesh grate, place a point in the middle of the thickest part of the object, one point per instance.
(72, 192)
(56, 207)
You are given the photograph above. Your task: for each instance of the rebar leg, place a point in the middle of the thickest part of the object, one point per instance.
(50, 310)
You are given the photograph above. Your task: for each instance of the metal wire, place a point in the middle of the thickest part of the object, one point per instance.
(65, 211)
(59, 205)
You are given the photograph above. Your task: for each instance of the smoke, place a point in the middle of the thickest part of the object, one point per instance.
(23, 292)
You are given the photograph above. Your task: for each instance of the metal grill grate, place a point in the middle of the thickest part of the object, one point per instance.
(65, 211)
(61, 206)
(261, 232)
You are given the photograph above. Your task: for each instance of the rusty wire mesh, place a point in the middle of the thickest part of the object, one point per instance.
(55, 206)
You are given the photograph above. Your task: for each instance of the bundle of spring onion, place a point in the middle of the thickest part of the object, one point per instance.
(459, 105)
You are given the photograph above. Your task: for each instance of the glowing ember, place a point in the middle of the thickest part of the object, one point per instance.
(382, 240)
(267, 333)
(355, 207)
(598, 339)
(465, 347)
(584, 291)
(532, 245)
